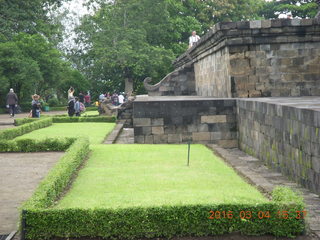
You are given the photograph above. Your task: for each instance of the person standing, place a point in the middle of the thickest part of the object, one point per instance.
(193, 39)
(36, 106)
(121, 98)
(81, 97)
(12, 102)
(77, 107)
(87, 100)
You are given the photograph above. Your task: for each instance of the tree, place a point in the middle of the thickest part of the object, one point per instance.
(17, 71)
(30, 16)
(298, 8)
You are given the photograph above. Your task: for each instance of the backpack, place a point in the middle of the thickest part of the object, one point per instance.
(82, 107)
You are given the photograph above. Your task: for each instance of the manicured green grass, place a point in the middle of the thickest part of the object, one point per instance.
(95, 131)
(90, 113)
(120, 176)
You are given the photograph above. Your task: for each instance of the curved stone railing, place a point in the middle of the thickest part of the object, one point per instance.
(178, 82)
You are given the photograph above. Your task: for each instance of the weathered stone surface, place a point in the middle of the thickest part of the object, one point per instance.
(201, 136)
(283, 134)
(157, 130)
(214, 119)
(140, 122)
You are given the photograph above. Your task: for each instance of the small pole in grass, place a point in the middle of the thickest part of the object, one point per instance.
(189, 142)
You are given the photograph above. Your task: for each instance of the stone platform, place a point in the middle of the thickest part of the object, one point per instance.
(282, 132)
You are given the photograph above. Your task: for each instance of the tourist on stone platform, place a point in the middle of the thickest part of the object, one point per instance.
(102, 97)
(193, 39)
(12, 102)
(115, 99)
(36, 106)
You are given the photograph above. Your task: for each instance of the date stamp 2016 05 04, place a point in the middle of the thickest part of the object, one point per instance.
(257, 215)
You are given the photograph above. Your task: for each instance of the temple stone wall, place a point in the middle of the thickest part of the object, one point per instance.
(199, 120)
(287, 138)
(257, 59)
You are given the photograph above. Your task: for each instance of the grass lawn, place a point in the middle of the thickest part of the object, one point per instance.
(95, 131)
(120, 176)
(90, 113)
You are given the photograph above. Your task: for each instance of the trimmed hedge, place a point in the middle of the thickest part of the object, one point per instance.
(32, 145)
(84, 119)
(166, 221)
(25, 128)
(64, 108)
(21, 121)
(59, 177)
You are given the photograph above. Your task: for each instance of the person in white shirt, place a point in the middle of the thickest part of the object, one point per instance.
(193, 39)
(121, 98)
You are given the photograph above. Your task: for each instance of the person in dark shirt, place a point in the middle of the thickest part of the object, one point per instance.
(12, 102)
(81, 97)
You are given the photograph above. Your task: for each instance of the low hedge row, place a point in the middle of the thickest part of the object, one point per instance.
(66, 119)
(59, 177)
(32, 145)
(64, 108)
(21, 121)
(167, 221)
(12, 133)
(84, 119)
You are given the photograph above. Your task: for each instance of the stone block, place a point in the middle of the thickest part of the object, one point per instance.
(139, 139)
(157, 122)
(214, 119)
(160, 139)
(174, 138)
(265, 24)
(316, 163)
(255, 24)
(216, 135)
(157, 130)
(228, 143)
(201, 136)
(140, 122)
(148, 139)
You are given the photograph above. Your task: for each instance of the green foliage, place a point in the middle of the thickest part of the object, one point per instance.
(59, 177)
(64, 108)
(31, 16)
(155, 222)
(110, 119)
(21, 121)
(12, 133)
(33, 145)
(298, 8)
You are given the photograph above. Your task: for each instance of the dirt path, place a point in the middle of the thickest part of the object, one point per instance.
(20, 175)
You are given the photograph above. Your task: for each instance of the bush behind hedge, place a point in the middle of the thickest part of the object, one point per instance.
(12, 133)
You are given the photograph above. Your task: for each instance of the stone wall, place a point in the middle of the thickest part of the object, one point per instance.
(178, 120)
(257, 59)
(177, 83)
(212, 74)
(287, 138)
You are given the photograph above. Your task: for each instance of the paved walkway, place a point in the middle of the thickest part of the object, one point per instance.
(266, 179)
(20, 175)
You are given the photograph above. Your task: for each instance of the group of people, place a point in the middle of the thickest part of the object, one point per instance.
(116, 99)
(76, 104)
(12, 104)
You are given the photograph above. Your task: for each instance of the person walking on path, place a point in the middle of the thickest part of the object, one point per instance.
(12, 102)
(193, 39)
(87, 100)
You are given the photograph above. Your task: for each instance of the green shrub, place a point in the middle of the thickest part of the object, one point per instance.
(59, 177)
(53, 102)
(84, 119)
(25, 128)
(64, 108)
(32, 145)
(165, 222)
(21, 121)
